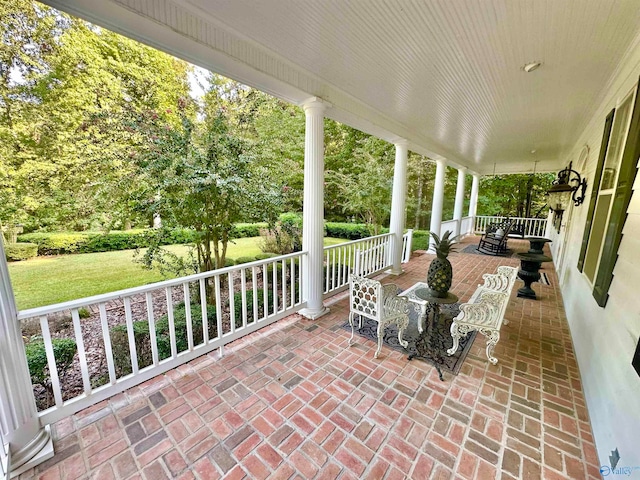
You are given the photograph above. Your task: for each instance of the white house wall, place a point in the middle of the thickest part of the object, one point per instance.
(605, 338)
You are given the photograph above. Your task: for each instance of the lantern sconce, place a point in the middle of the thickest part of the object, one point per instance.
(568, 186)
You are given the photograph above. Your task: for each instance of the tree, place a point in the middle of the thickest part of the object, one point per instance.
(518, 195)
(201, 176)
(366, 191)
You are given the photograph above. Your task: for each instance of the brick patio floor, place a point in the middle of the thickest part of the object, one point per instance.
(290, 401)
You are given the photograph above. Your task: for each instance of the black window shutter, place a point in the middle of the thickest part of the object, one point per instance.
(624, 190)
(595, 186)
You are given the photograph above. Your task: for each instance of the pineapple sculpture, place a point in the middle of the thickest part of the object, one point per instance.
(440, 272)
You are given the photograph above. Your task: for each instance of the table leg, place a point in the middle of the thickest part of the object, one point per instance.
(424, 344)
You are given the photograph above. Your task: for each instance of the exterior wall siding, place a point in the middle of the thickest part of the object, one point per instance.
(605, 338)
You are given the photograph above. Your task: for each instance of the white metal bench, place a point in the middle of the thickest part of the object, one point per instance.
(485, 310)
(369, 298)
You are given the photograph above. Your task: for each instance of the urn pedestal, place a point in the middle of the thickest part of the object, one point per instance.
(530, 272)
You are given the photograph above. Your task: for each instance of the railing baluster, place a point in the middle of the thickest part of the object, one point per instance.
(326, 274)
(265, 289)
(133, 352)
(172, 325)
(51, 361)
(292, 281)
(333, 269)
(84, 368)
(107, 343)
(218, 306)
(152, 329)
(254, 281)
(284, 285)
(203, 307)
(243, 294)
(187, 314)
(339, 268)
(232, 302)
(274, 273)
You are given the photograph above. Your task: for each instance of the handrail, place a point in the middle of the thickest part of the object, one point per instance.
(128, 292)
(359, 240)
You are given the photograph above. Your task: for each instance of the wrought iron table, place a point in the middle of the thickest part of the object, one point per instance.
(421, 295)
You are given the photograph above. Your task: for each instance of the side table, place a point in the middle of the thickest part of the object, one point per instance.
(424, 344)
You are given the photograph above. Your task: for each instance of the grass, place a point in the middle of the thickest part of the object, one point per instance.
(46, 280)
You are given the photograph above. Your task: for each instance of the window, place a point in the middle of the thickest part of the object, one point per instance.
(612, 189)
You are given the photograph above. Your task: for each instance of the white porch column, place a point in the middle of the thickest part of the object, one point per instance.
(398, 204)
(473, 202)
(29, 441)
(459, 205)
(438, 198)
(313, 209)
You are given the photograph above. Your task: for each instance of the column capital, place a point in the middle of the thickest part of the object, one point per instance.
(462, 169)
(315, 103)
(400, 142)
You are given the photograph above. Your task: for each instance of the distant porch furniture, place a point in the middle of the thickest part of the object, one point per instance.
(494, 241)
(369, 298)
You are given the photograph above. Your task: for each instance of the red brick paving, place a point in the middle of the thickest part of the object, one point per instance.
(290, 401)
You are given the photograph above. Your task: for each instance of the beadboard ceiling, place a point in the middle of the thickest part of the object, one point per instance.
(445, 75)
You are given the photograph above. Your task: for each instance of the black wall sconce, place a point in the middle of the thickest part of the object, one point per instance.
(568, 186)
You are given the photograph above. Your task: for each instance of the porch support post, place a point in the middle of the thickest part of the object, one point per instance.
(313, 209)
(29, 441)
(438, 198)
(459, 205)
(473, 203)
(398, 204)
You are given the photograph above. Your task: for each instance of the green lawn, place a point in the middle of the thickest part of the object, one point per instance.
(47, 280)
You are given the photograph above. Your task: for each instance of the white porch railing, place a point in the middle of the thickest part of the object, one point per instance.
(366, 256)
(448, 225)
(533, 227)
(407, 240)
(466, 226)
(232, 301)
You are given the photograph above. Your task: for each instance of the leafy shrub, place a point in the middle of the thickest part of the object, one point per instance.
(120, 339)
(64, 349)
(420, 240)
(84, 312)
(180, 322)
(120, 346)
(237, 302)
(241, 260)
(55, 243)
(243, 230)
(229, 262)
(15, 252)
(350, 231)
(285, 236)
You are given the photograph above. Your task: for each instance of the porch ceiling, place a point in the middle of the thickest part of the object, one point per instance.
(445, 75)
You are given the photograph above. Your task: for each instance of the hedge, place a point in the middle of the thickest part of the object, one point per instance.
(15, 252)
(350, 231)
(420, 240)
(59, 243)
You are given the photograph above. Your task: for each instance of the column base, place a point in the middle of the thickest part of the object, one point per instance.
(37, 452)
(395, 272)
(313, 314)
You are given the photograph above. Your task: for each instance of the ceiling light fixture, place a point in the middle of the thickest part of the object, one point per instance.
(530, 67)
